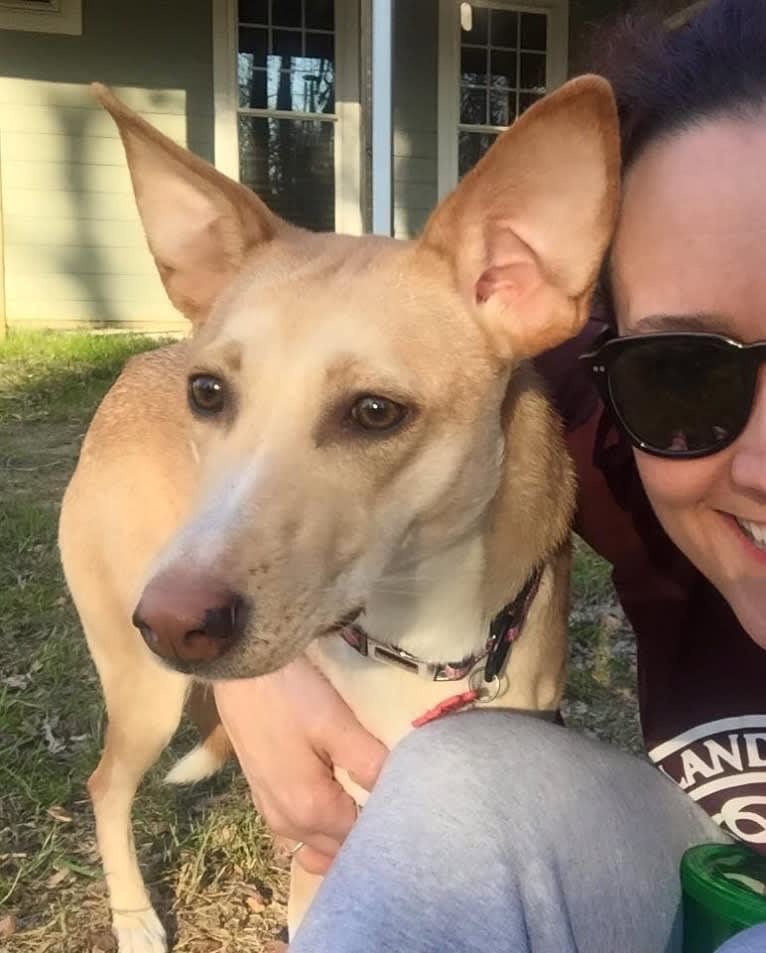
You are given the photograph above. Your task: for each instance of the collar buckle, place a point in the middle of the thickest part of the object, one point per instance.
(365, 645)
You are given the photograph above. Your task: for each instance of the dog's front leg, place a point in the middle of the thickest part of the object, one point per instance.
(144, 707)
(303, 887)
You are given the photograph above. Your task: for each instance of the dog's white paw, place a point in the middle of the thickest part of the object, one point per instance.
(139, 932)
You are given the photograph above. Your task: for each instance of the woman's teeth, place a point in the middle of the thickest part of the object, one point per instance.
(755, 532)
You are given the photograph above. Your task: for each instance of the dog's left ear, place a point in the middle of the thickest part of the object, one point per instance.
(199, 224)
(527, 228)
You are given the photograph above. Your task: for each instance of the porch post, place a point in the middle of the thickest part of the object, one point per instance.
(382, 47)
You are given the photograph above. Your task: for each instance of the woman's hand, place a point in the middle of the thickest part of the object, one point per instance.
(288, 730)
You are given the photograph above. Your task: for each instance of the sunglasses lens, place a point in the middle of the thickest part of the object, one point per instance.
(681, 394)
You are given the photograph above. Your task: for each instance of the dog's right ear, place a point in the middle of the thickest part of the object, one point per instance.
(199, 224)
(526, 229)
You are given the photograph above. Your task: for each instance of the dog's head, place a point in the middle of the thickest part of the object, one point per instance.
(346, 395)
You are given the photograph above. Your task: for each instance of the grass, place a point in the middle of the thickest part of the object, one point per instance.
(601, 686)
(218, 880)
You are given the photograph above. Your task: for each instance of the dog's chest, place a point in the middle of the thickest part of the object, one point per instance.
(385, 699)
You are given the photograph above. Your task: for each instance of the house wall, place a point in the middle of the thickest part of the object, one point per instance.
(72, 244)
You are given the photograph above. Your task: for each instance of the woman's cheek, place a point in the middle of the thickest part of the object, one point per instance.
(681, 491)
(670, 482)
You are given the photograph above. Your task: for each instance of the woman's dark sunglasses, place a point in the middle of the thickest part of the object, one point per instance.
(677, 394)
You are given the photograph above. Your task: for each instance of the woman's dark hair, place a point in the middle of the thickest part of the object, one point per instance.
(668, 77)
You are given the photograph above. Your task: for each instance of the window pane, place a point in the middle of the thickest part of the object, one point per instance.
(473, 65)
(291, 84)
(478, 31)
(473, 105)
(252, 84)
(313, 86)
(532, 74)
(503, 67)
(290, 164)
(502, 107)
(471, 147)
(286, 12)
(319, 45)
(534, 31)
(286, 43)
(504, 29)
(320, 14)
(251, 72)
(254, 42)
(254, 11)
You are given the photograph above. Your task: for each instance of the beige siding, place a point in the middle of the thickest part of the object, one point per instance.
(22, 119)
(24, 260)
(31, 175)
(66, 202)
(46, 313)
(56, 185)
(73, 247)
(44, 232)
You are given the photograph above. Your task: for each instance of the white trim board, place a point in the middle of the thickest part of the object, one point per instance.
(225, 146)
(382, 117)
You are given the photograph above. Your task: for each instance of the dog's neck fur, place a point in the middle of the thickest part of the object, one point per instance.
(435, 609)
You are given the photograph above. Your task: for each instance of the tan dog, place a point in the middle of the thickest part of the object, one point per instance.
(350, 434)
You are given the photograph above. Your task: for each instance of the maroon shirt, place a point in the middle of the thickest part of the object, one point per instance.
(701, 678)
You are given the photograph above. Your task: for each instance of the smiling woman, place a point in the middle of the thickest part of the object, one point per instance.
(713, 508)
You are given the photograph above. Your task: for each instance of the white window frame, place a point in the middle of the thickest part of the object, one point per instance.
(347, 144)
(449, 70)
(56, 16)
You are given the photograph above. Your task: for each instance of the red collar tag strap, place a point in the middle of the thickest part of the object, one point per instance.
(446, 707)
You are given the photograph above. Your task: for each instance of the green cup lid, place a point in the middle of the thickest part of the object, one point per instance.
(728, 880)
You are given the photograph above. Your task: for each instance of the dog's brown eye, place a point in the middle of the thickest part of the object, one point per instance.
(206, 394)
(377, 413)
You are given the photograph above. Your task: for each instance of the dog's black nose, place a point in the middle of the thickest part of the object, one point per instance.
(189, 617)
